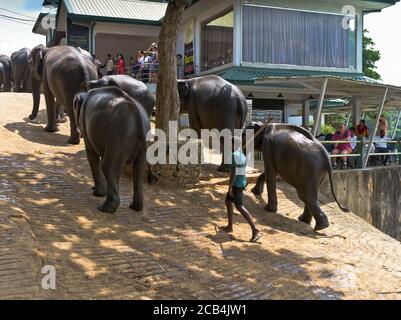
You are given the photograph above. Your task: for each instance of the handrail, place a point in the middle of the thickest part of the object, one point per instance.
(150, 71)
(362, 150)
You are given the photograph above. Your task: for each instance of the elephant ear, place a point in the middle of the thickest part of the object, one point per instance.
(40, 63)
(112, 83)
(183, 89)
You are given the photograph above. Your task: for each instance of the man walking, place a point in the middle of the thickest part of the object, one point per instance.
(237, 186)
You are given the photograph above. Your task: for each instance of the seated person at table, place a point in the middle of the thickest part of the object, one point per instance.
(342, 148)
(381, 146)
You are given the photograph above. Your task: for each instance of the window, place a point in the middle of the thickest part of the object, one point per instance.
(217, 41)
(281, 36)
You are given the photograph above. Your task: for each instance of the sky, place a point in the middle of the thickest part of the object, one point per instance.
(13, 35)
(384, 28)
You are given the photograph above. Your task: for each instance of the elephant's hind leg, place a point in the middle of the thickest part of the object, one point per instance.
(112, 167)
(322, 222)
(309, 195)
(51, 114)
(271, 183)
(306, 217)
(138, 168)
(99, 189)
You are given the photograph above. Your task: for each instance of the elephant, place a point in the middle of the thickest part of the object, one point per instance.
(114, 128)
(2, 75)
(293, 153)
(6, 76)
(61, 70)
(21, 70)
(134, 88)
(213, 103)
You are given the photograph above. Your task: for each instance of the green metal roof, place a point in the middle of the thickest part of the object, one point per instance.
(137, 11)
(248, 75)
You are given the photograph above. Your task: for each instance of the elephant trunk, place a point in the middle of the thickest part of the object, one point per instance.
(36, 97)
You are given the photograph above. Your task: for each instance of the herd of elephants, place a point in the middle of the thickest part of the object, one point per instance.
(112, 116)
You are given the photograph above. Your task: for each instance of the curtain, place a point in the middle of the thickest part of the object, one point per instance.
(295, 37)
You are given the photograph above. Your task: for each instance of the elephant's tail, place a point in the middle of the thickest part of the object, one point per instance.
(330, 172)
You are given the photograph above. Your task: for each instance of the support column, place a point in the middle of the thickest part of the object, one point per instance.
(356, 111)
(318, 118)
(305, 113)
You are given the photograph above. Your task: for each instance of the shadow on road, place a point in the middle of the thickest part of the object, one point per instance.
(171, 250)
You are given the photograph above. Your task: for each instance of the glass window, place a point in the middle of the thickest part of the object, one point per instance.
(217, 41)
(281, 36)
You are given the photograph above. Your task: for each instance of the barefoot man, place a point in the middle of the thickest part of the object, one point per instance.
(236, 189)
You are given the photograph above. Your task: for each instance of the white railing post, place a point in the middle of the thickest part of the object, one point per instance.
(365, 161)
(396, 126)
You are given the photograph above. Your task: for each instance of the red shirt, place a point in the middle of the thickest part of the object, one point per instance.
(343, 137)
(120, 67)
(362, 131)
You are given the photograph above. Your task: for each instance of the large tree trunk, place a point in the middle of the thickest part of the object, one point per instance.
(168, 102)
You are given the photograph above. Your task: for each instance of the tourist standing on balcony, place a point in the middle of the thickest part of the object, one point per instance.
(146, 67)
(154, 67)
(137, 64)
(362, 130)
(343, 147)
(109, 65)
(120, 67)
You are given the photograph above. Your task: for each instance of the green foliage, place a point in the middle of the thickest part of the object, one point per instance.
(328, 129)
(370, 57)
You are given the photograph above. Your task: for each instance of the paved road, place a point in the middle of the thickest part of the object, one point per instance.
(172, 250)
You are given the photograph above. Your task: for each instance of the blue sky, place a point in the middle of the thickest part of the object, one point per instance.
(384, 28)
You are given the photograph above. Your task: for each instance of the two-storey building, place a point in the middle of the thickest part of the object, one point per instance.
(292, 59)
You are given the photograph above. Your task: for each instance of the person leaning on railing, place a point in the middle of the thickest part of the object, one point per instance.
(381, 146)
(343, 148)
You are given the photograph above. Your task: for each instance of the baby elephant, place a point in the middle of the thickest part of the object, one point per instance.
(293, 153)
(114, 128)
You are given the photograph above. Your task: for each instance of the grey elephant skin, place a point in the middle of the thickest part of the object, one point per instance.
(134, 88)
(293, 153)
(21, 70)
(213, 103)
(61, 70)
(6, 77)
(114, 127)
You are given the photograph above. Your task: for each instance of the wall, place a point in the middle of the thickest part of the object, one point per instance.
(372, 194)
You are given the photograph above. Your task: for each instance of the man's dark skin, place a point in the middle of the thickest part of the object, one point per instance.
(256, 234)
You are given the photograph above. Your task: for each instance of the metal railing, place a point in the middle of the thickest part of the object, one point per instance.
(149, 72)
(361, 153)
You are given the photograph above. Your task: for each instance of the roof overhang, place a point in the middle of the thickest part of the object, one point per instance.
(370, 94)
(87, 18)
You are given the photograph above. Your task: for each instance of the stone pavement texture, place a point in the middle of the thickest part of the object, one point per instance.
(173, 249)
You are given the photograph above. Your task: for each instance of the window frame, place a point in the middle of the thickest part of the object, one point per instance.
(221, 14)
